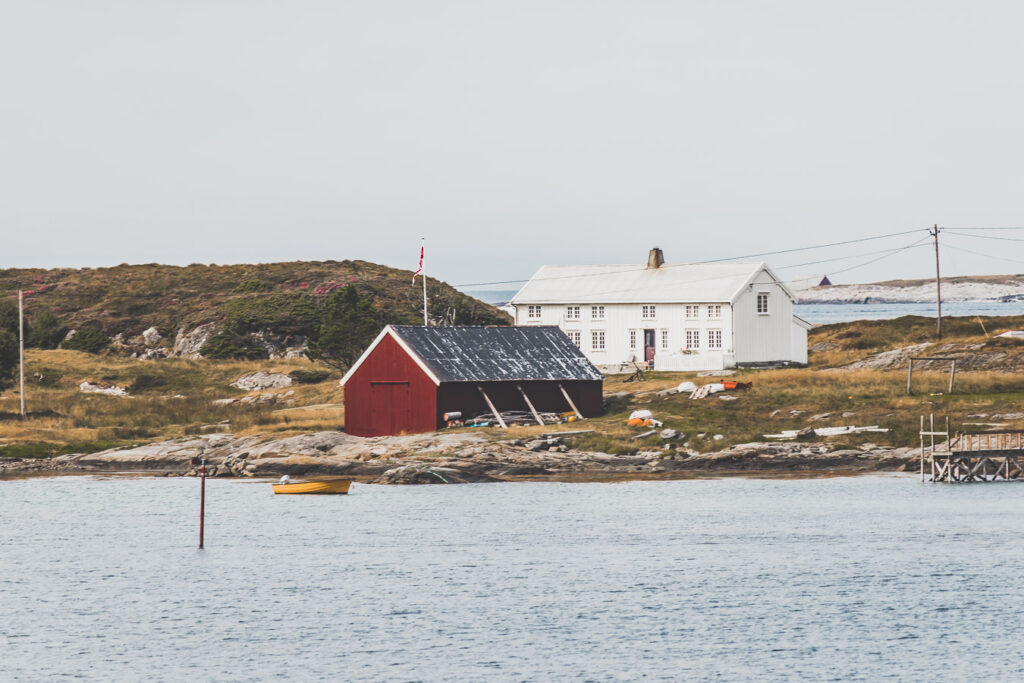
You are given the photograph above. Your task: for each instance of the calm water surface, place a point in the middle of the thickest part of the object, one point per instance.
(844, 579)
(840, 313)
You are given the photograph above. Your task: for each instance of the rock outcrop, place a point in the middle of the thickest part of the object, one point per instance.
(461, 457)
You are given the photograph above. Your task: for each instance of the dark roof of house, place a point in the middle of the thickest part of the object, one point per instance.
(487, 354)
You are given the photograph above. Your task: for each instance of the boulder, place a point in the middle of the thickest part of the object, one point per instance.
(258, 381)
(668, 434)
(108, 389)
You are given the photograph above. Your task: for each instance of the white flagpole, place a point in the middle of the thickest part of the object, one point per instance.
(21, 350)
(423, 250)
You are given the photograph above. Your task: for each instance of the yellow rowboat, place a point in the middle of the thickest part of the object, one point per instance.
(329, 486)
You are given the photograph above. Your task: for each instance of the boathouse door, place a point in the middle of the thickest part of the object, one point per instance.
(392, 409)
(649, 347)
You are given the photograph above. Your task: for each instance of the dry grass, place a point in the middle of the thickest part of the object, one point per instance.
(179, 401)
(780, 399)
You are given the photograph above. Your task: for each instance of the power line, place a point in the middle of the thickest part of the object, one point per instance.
(817, 246)
(892, 253)
(721, 260)
(986, 237)
(845, 258)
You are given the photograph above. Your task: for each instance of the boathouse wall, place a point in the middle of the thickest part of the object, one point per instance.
(390, 394)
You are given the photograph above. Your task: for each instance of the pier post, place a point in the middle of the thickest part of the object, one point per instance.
(202, 501)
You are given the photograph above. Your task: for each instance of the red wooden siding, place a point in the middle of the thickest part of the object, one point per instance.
(390, 394)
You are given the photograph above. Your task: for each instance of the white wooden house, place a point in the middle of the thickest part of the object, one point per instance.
(673, 317)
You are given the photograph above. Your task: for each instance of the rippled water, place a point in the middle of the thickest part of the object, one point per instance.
(847, 578)
(838, 313)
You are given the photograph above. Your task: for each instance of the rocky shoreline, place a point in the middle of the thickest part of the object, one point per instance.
(449, 458)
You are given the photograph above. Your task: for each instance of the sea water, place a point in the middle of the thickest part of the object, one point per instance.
(840, 313)
(859, 578)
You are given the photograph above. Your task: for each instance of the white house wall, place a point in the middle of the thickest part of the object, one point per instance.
(764, 338)
(798, 343)
(619, 319)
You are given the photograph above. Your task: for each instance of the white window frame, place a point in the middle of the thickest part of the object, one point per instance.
(715, 312)
(692, 338)
(597, 340)
(575, 337)
(762, 297)
(533, 312)
(597, 312)
(692, 311)
(649, 311)
(632, 339)
(715, 339)
(572, 312)
(664, 340)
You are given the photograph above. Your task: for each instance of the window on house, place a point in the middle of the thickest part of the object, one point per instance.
(533, 312)
(648, 312)
(715, 312)
(664, 339)
(714, 339)
(632, 339)
(597, 312)
(597, 340)
(572, 312)
(574, 336)
(762, 302)
(692, 339)
(692, 312)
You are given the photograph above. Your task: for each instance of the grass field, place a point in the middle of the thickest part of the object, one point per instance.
(173, 398)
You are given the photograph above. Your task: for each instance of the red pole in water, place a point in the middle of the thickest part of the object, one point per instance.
(202, 502)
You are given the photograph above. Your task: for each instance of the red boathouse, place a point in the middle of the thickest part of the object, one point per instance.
(411, 376)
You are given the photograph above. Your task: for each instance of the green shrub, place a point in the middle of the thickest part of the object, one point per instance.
(309, 376)
(8, 356)
(143, 382)
(250, 286)
(228, 343)
(45, 332)
(89, 338)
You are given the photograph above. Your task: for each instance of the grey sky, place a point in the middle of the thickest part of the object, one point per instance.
(510, 134)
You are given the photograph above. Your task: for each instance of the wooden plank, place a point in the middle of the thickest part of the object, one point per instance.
(530, 405)
(491, 406)
(572, 405)
(643, 434)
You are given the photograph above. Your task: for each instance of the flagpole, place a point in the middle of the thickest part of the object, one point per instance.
(423, 251)
(21, 350)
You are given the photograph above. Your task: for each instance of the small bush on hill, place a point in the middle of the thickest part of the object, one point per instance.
(349, 322)
(143, 382)
(309, 376)
(8, 356)
(228, 343)
(45, 332)
(250, 286)
(90, 339)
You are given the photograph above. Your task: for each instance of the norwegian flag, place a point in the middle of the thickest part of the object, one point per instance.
(420, 269)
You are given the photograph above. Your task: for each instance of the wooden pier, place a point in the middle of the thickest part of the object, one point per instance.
(972, 456)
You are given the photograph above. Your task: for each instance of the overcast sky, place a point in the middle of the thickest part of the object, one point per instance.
(510, 134)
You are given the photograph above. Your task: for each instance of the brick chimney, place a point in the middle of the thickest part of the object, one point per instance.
(655, 258)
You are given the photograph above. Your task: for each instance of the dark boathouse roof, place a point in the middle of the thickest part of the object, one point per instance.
(488, 354)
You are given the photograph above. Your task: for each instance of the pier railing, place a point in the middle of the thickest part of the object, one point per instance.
(996, 455)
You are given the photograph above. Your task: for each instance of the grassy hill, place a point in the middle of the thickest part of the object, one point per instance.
(276, 299)
(849, 381)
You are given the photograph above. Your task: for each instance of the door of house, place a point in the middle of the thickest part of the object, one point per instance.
(649, 347)
(391, 409)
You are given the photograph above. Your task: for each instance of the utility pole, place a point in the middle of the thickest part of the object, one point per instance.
(938, 287)
(21, 350)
